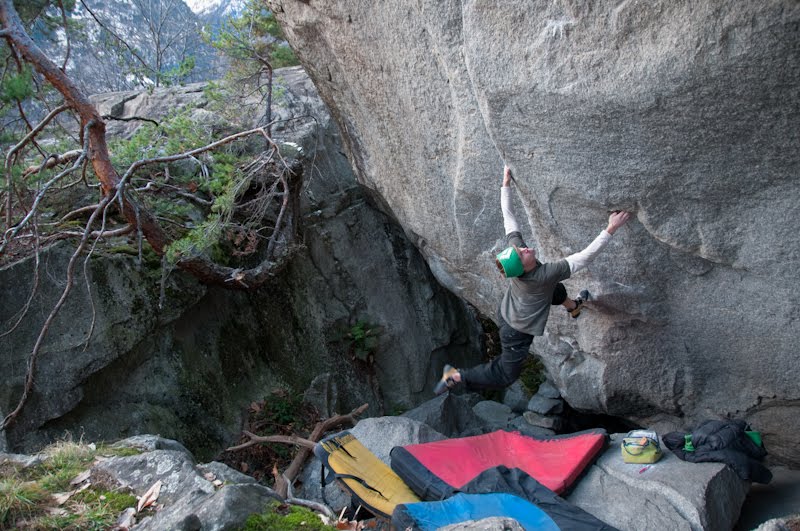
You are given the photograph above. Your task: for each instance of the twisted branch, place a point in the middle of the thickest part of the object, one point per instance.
(282, 481)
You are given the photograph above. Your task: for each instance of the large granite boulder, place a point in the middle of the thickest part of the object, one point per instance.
(686, 114)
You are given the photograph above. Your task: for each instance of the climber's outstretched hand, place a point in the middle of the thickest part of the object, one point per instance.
(617, 219)
(506, 176)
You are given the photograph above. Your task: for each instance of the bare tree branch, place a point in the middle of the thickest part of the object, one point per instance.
(66, 35)
(99, 234)
(12, 232)
(307, 445)
(77, 212)
(117, 37)
(31, 371)
(53, 160)
(35, 285)
(285, 439)
(131, 119)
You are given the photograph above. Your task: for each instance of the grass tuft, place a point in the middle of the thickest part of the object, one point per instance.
(19, 499)
(26, 494)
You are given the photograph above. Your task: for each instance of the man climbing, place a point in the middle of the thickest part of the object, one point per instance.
(523, 312)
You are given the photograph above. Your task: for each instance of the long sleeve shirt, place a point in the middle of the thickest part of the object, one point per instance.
(526, 303)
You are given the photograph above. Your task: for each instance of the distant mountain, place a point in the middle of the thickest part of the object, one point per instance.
(214, 11)
(159, 35)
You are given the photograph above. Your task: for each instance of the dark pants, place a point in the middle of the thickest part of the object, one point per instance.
(503, 370)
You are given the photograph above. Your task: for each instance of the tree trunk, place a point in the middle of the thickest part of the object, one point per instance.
(93, 125)
(98, 149)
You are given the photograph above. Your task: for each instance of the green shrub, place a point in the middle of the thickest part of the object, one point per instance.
(533, 374)
(363, 338)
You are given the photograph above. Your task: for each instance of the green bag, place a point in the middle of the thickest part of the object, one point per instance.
(641, 446)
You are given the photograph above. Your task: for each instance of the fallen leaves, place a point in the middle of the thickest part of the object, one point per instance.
(149, 497)
(82, 479)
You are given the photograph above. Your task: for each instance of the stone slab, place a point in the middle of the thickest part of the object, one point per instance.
(671, 494)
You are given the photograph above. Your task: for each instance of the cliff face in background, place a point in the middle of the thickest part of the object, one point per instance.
(188, 370)
(685, 113)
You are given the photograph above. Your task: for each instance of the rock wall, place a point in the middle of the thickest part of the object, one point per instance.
(685, 113)
(188, 370)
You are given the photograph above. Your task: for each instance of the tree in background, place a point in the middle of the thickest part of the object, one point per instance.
(165, 52)
(255, 45)
(261, 190)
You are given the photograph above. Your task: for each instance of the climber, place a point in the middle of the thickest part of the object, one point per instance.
(523, 312)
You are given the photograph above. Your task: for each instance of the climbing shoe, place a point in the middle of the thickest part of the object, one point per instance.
(447, 381)
(583, 296)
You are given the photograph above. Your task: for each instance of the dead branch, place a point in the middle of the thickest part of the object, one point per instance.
(98, 234)
(66, 35)
(53, 160)
(191, 153)
(316, 435)
(31, 370)
(120, 39)
(24, 310)
(307, 445)
(12, 232)
(101, 232)
(77, 212)
(34, 131)
(314, 506)
(130, 119)
(22, 143)
(154, 186)
(285, 439)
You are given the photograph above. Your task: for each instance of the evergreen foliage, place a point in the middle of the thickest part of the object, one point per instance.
(252, 39)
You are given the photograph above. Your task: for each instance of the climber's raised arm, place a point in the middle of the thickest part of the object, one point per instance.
(509, 221)
(580, 260)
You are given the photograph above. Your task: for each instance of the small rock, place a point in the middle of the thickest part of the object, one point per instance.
(548, 390)
(493, 415)
(535, 419)
(545, 406)
(522, 426)
(516, 397)
(23, 461)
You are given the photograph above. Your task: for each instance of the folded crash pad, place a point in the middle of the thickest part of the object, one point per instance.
(435, 470)
(503, 492)
(371, 482)
(462, 507)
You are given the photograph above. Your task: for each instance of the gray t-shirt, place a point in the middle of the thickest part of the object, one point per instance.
(526, 304)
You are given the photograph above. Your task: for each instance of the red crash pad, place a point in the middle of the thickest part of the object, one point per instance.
(435, 469)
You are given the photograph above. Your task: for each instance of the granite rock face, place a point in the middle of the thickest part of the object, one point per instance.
(686, 114)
